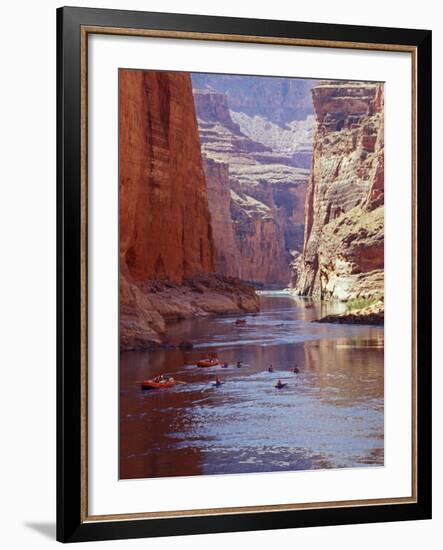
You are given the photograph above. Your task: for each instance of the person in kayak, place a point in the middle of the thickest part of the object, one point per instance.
(280, 384)
(217, 382)
(296, 370)
(270, 368)
(239, 364)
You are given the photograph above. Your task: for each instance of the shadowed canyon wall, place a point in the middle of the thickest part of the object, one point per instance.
(166, 243)
(256, 195)
(343, 254)
(161, 172)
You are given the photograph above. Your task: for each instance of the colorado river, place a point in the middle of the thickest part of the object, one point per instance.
(329, 415)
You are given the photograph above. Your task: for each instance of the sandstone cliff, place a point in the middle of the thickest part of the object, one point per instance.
(219, 196)
(165, 224)
(343, 253)
(161, 172)
(266, 199)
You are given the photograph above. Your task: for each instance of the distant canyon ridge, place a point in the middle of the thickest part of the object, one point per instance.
(257, 153)
(229, 183)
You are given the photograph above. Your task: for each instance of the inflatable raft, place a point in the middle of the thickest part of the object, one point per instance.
(210, 362)
(152, 385)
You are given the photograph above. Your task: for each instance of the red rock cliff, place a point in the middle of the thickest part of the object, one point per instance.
(161, 172)
(219, 195)
(167, 265)
(343, 254)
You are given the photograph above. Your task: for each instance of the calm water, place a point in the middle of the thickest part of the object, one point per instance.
(330, 415)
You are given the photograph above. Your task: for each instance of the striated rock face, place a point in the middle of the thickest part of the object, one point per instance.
(212, 107)
(293, 138)
(219, 196)
(262, 257)
(167, 260)
(260, 220)
(343, 254)
(161, 171)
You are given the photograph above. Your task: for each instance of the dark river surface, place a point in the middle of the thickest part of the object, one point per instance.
(330, 414)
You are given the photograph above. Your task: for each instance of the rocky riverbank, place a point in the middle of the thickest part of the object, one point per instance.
(369, 315)
(147, 307)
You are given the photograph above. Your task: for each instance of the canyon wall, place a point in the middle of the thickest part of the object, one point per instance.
(279, 100)
(265, 199)
(161, 172)
(167, 259)
(219, 196)
(294, 138)
(343, 253)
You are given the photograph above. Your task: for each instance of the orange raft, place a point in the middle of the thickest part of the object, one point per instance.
(211, 362)
(152, 385)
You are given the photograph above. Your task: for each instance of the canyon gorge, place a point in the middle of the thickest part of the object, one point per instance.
(232, 183)
(257, 170)
(251, 274)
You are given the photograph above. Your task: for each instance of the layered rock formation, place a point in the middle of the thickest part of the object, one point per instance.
(343, 254)
(279, 100)
(265, 201)
(165, 224)
(219, 196)
(294, 139)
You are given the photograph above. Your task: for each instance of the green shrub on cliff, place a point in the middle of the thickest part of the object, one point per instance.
(361, 303)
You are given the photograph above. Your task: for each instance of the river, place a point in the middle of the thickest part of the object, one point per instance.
(329, 415)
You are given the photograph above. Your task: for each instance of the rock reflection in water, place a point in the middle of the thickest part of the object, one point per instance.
(330, 414)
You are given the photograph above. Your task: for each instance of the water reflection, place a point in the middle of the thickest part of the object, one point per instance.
(330, 414)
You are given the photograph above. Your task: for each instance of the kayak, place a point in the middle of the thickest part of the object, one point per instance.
(152, 385)
(208, 363)
(240, 322)
(280, 386)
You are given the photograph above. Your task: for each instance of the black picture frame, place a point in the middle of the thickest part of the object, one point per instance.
(71, 523)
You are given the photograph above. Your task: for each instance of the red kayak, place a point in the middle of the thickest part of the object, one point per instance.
(152, 385)
(211, 362)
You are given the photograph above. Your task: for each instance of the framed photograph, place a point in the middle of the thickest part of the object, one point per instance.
(244, 274)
